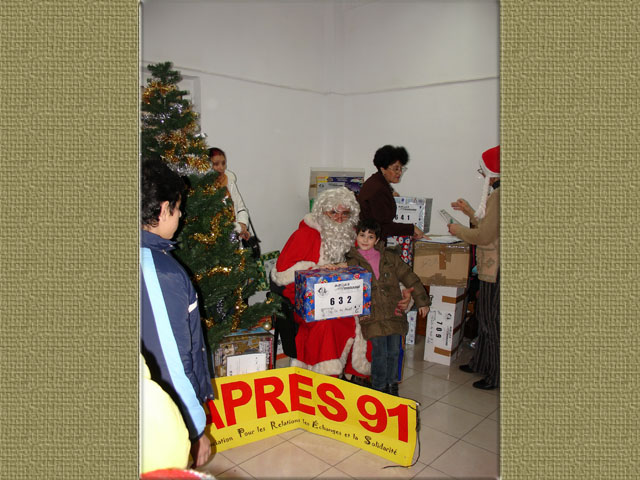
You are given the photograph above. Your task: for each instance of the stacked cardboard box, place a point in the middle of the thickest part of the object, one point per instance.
(445, 264)
(444, 324)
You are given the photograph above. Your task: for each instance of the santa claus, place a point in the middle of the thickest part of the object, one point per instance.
(323, 237)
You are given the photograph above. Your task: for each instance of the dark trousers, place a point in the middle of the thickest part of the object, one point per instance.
(486, 359)
(384, 361)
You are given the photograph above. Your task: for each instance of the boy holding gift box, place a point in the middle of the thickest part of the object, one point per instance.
(386, 324)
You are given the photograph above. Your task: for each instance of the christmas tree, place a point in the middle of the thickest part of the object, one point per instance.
(224, 274)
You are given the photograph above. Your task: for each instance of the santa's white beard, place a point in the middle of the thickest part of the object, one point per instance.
(337, 239)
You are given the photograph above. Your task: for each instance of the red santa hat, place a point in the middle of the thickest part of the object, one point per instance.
(490, 166)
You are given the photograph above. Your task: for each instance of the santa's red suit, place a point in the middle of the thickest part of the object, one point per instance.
(327, 346)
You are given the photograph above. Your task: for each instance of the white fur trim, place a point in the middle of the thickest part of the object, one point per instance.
(289, 275)
(359, 360)
(328, 367)
(311, 222)
(481, 210)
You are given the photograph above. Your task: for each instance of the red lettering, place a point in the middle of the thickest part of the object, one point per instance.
(231, 403)
(402, 412)
(214, 416)
(340, 414)
(296, 392)
(380, 414)
(262, 397)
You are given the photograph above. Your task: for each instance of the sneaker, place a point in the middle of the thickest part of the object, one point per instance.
(393, 389)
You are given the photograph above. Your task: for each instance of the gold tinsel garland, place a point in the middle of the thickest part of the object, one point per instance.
(154, 87)
(212, 237)
(213, 271)
(240, 307)
(243, 261)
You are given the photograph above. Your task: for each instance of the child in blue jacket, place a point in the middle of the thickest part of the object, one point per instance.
(172, 341)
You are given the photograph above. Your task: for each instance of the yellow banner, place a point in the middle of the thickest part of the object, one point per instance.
(258, 405)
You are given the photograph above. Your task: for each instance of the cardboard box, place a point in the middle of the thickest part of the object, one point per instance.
(322, 178)
(404, 245)
(442, 337)
(444, 264)
(412, 318)
(447, 298)
(414, 210)
(353, 183)
(243, 343)
(323, 294)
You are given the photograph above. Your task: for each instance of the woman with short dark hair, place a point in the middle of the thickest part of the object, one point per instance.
(376, 195)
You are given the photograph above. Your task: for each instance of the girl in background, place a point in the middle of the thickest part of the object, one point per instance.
(228, 179)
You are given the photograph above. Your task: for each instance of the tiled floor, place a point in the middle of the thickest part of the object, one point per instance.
(459, 435)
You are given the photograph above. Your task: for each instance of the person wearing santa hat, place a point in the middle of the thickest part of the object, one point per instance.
(485, 233)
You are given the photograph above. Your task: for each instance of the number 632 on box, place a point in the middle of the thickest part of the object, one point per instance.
(338, 299)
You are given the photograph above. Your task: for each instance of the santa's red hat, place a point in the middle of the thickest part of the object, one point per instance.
(490, 166)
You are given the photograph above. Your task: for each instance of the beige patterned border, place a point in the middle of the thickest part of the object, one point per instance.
(68, 315)
(68, 239)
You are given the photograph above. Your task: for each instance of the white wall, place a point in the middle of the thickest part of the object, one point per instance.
(286, 85)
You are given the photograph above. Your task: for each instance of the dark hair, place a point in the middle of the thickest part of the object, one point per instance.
(389, 154)
(216, 151)
(369, 224)
(158, 184)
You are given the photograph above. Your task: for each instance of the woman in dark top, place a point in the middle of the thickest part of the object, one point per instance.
(376, 195)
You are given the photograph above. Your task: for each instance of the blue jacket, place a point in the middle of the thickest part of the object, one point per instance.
(172, 340)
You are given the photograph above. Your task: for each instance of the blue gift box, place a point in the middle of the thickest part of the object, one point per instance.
(342, 299)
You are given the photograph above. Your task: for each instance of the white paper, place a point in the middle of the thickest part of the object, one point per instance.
(247, 363)
(448, 218)
(441, 239)
(338, 299)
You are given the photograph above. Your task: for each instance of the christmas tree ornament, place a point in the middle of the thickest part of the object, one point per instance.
(267, 325)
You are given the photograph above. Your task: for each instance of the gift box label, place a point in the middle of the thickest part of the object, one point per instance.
(242, 343)
(416, 211)
(338, 299)
(442, 336)
(323, 294)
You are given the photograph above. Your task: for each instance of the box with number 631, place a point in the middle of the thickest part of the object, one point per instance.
(322, 293)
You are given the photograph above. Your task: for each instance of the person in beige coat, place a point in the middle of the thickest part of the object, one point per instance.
(486, 235)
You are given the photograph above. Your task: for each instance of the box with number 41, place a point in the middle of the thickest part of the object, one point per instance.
(323, 294)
